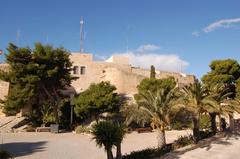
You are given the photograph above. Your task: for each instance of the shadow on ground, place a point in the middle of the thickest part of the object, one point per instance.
(23, 148)
(207, 146)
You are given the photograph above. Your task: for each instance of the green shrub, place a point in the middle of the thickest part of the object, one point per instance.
(178, 125)
(82, 129)
(205, 122)
(181, 120)
(5, 155)
(47, 114)
(34, 118)
(183, 141)
(148, 153)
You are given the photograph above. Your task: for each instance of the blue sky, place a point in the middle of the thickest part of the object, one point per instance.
(174, 35)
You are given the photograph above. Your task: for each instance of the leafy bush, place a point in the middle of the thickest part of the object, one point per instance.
(179, 125)
(47, 114)
(148, 153)
(205, 122)
(181, 120)
(183, 141)
(5, 155)
(34, 118)
(176, 125)
(82, 129)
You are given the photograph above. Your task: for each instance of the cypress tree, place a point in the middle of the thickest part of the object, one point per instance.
(153, 73)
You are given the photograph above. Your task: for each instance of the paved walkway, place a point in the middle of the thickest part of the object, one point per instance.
(224, 148)
(73, 146)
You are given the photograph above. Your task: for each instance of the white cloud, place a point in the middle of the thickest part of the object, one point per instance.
(147, 47)
(224, 23)
(196, 34)
(167, 62)
(100, 56)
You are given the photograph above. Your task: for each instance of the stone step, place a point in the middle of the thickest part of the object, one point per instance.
(5, 120)
(12, 124)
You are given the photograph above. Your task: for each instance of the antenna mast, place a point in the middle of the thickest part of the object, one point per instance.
(18, 36)
(81, 36)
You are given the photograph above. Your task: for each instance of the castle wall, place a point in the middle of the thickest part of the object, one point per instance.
(95, 72)
(125, 81)
(182, 79)
(123, 76)
(4, 86)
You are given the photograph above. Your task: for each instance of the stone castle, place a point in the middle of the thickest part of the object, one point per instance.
(117, 70)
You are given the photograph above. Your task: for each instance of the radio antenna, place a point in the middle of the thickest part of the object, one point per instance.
(81, 35)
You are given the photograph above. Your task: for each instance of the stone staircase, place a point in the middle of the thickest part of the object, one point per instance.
(8, 124)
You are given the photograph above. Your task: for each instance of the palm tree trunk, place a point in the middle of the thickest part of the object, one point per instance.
(195, 119)
(109, 154)
(161, 137)
(119, 154)
(213, 122)
(96, 118)
(231, 122)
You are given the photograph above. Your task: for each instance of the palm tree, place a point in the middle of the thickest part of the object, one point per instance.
(229, 107)
(120, 133)
(197, 102)
(159, 108)
(224, 106)
(132, 113)
(108, 134)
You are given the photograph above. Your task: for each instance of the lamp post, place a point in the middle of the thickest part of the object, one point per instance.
(71, 103)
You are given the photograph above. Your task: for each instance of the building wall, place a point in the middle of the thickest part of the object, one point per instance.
(4, 86)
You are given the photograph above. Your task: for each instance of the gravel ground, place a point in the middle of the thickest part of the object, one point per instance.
(73, 146)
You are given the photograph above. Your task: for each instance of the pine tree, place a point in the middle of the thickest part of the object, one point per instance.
(36, 74)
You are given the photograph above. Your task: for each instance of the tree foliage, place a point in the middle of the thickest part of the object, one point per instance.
(222, 83)
(36, 75)
(153, 85)
(224, 72)
(238, 88)
(97, 99)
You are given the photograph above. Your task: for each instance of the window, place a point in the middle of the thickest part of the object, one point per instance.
(75, 70)
(83, 70)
